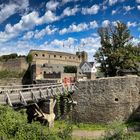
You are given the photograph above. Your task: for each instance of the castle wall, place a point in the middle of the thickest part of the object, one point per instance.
(50, 57)
(10, 81)
(107, 100)
(18, 64)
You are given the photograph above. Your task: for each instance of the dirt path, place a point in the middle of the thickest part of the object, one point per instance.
(88, 134)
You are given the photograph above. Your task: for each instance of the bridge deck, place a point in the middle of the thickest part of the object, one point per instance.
(33, 94)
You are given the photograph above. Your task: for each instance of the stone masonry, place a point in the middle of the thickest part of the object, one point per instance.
(108, 99)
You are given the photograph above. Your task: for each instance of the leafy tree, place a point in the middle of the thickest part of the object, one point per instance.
(116, 53)
(29, 58)
(10, 56)
(70, 69)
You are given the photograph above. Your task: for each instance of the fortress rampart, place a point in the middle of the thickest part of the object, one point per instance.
(17, 64)
(52, 57)
(108, 99)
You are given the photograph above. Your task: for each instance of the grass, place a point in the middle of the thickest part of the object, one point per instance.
(80, 126)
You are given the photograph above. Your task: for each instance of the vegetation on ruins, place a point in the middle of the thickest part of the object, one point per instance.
(117, 53)
(29, 58)
(10, 56)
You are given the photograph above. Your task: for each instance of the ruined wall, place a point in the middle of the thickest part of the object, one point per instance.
(109, 99)
(18, 64)
(10, 81)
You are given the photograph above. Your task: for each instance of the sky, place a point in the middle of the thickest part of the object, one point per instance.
(62, 25)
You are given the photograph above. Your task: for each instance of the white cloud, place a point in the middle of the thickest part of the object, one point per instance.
(71, 45)
(28, 35)
(105, 23)
(66, 1)
(20, 47)
(93, 24)
(70, 11)
(92, 10)
(27, 22)
(135, 41)
(131, 24)
(128, 8)
(138, 7)
(74, 28)
(90, 45)
(52, 5)
(7, 10)
(112, 2)
(47, 31)
(114, 12)
(138, 1)
(80, 27)
(114, 23)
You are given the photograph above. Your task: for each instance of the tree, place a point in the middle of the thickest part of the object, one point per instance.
(116, 53)
(70, 69)
(29, 58)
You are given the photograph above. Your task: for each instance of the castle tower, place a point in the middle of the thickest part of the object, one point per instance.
(83, 56)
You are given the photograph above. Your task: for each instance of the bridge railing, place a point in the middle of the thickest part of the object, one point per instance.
(25, 86)
(24, 95)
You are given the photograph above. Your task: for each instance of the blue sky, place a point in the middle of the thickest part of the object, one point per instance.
(62, 25)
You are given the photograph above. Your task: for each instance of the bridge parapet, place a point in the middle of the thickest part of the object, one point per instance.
(33, 94)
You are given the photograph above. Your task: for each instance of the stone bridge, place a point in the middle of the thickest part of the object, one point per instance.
(39, 99)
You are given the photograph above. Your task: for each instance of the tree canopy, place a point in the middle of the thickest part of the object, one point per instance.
(117, 53)
(70, 69)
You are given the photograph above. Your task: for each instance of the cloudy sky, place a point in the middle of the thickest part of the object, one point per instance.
(62, 25)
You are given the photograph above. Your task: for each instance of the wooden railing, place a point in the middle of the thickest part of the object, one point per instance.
(27, 95)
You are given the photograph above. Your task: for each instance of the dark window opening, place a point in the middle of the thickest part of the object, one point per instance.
(54, 55)
(116, 99)
(43, 55)
(36, 54)
(60, 56)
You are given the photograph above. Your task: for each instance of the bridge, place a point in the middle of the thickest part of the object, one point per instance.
(31, 95)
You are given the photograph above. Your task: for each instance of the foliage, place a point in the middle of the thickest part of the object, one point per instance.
(116, 53)
(10, 56)
(70, 69)
(11, 74)
(14, 126)
(29, 58)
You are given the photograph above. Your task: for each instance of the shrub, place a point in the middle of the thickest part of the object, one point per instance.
(14, 126)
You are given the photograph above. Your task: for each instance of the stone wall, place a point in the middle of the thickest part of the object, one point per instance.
(109, 99)
(17, 64)
(10, 81)
(53, 57)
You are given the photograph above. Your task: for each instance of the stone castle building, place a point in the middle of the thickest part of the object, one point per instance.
(52, 63)
(53, 57)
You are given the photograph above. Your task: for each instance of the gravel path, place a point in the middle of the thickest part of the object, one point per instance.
(88, 134)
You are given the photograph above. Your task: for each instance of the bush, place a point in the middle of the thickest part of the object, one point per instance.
(14, 126)
(70, 69)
